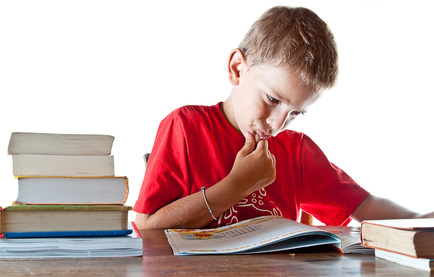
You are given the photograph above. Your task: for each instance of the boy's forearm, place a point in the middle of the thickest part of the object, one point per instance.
(191, 211)
(374, 207)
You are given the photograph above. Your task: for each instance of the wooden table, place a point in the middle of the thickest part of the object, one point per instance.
(158, 260)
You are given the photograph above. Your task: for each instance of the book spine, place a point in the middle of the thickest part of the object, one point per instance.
(63, 234)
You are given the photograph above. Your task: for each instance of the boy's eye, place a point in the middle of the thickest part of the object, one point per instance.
(272, 99)
(296, 113)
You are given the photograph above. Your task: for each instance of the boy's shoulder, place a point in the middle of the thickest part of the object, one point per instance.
(289, 135)
(193, 109)
(194, 112)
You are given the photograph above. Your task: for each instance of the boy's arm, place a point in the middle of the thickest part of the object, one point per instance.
(253, 169)
(374, 207)
(191, 211)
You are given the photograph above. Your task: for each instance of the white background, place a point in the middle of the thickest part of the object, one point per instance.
(118, 67)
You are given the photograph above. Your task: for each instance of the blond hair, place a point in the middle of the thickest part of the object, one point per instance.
(295, 38)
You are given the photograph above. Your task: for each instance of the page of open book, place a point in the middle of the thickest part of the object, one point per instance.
(248, 235)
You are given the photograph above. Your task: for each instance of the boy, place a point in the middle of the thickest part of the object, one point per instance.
(217, 165)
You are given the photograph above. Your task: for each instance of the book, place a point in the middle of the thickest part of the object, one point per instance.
(66, 234)
(72, 190)
(350, 239)
(59, 144)
(67, 247)
(418, 263)
(259, 235)
(412, 237)
(50, 218)
(62, 165)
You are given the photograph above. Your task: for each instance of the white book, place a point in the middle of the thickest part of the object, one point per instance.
(67, 247)
(61, 165)
(60, 144)
(75, 190)
(418, 263)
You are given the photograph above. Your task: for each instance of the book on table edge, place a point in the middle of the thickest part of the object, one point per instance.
(62, 165)
(50, 218)
(59, 144)
(418, 263)
(411, 237)
(74, 247)
(72, 190)
(261, 235)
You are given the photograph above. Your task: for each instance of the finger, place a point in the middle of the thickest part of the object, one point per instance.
(249, 144)
(262, 145)
(274, 159)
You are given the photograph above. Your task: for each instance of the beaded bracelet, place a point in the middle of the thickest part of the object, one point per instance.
(206, 202)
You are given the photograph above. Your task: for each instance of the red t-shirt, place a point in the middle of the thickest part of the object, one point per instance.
(195, 146)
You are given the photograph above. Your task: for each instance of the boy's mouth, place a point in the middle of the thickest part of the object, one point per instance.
(263, 135)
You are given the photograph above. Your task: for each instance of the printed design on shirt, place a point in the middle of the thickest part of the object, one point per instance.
(256, 204)
(229, 217)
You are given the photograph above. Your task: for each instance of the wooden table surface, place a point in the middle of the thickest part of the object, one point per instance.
(158, 260)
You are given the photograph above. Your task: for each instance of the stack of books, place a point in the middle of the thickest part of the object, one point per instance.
(409, 242)
(69, 203)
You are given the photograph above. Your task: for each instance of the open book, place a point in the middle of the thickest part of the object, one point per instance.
(262, 234)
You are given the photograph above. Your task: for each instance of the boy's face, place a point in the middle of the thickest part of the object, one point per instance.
(265, 100)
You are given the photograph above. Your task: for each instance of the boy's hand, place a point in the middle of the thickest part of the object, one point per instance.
(254, 169)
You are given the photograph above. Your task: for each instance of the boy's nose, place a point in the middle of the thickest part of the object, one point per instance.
(280, 120)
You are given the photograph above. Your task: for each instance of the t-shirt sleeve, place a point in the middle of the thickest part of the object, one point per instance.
(166, 177)
(328, 193)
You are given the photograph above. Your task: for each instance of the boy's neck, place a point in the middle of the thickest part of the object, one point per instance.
(225, 109)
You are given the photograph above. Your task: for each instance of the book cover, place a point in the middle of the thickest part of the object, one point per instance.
(257, 235)
(72, 190)
(426, 224)
(66, 234)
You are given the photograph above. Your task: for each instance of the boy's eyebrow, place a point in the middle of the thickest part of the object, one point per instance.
(280, 98)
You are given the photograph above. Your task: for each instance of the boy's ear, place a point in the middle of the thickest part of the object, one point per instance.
(237, 64)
